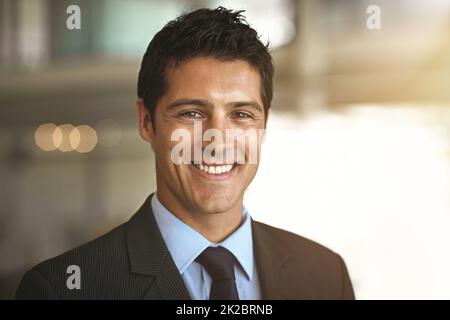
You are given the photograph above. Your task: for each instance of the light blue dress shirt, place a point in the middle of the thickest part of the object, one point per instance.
(185, 245)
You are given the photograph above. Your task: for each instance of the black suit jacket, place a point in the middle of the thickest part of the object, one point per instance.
(133, 262)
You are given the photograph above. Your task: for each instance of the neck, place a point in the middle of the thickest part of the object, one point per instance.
(215, 227)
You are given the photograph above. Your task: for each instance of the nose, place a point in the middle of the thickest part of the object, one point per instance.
(215, 130)
(217, 120)
(215, 126)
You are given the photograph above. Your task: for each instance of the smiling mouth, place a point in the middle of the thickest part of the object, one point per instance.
(215, 169)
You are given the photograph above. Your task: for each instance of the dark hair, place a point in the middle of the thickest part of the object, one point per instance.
(220, 33)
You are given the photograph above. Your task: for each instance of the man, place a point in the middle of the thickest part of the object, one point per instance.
(193, 238)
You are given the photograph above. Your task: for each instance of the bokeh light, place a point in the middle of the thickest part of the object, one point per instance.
(83, 138)
(61, 137)
(43, 136)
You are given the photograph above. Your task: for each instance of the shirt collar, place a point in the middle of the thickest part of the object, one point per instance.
(185, 244)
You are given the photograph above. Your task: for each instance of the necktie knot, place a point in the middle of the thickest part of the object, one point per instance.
(219, 263)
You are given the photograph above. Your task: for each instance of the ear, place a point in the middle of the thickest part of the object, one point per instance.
(267, 113)
(145, 126)
(264, 131)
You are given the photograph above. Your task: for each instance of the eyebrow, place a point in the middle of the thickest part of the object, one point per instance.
(183, 102)
(206, 104)
(253, 104)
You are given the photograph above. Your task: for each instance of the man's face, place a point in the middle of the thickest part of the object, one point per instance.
(220, 95)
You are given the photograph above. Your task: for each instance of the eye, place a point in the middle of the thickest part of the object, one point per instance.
(192, 115)
(242, 115)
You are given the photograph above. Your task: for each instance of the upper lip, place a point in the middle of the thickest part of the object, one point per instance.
(213, 164)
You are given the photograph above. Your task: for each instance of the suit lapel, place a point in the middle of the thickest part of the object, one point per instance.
(168, 284)
(270, 259)
(148, 255)
(280, 277)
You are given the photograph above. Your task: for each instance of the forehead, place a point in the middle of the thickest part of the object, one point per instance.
(213, 79)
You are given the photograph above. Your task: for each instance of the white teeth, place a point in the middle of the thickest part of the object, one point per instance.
(214, 169)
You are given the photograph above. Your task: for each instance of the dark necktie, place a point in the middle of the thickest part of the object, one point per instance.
(219, 263)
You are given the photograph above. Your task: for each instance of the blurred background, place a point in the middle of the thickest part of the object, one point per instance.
(357, 155)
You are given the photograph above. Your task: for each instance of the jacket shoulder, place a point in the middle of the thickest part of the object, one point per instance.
(294, 242)
(315, 266)
(105, 248)
(101, 266)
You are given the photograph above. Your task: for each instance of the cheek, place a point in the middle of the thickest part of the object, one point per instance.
(161, 148)
(183, 139)
(253, 152)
